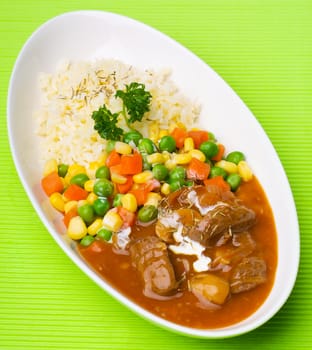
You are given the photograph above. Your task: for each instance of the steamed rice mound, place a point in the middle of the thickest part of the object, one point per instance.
(76, 89)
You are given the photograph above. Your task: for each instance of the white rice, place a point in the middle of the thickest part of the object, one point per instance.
(76, 89)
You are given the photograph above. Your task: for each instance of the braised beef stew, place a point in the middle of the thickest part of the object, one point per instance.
(207, 261)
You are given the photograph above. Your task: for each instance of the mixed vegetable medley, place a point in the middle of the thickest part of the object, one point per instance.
(135, 173)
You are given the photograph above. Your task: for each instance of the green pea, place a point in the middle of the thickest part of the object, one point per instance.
(160, 172)
(175, 185)
(147, 213)
(103, 188)
(211, 137)
(167, 143)
(102, 172)
(217, 171)
(110, 145)
(62, 170)
(104, 234)
(188, 183)
(146, 164)
(134, 136)
(86, 212)
(209, 148)
(178, 173)
(234, 180)
(117, 200)
(101, 206)
(147, 146)
(79, 179)
(87, 240)
(235, 157)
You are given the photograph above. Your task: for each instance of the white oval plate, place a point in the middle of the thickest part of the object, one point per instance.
(93, 34)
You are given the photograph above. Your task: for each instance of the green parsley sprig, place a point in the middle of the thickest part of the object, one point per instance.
(136, 102)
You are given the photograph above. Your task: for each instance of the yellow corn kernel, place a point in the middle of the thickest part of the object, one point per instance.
(73, 170)
(162, 133)
(170, 164)
(166, 155)
(182, 158)
(229, 167)
(143, 177)
(112, 221)
(56, 199)
(244, 170)
(129, 202)
(77, 229)
(49, 167)
(188, 144)
(118, 179)
(122, 148)
(196, 153)
(82, 202)
(93, 166)
(153, 199)
(91, 197)
(153, 132)
(64, 183)
(102, 158)
(155, 158)
(69, 206)
(165, 188)
(96, 225)
(88, 185)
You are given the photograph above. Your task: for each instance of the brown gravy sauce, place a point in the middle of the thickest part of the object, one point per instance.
(185, 310)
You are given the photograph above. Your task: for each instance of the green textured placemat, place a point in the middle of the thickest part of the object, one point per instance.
(263, 49)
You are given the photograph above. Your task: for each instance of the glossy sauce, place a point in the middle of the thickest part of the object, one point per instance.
(185, 310)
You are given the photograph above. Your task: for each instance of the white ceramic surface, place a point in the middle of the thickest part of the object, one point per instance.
(92, 34)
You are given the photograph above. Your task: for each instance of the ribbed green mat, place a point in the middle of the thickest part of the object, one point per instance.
(263, 49)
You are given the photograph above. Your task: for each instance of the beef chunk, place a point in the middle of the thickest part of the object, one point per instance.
(150, 257)
(207, 195)
(248, 274)
(242, 246)
(223, 219)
